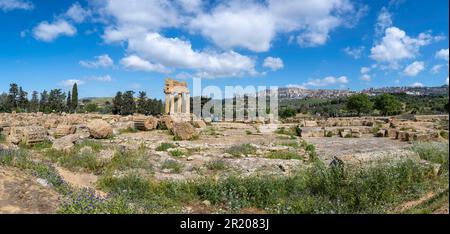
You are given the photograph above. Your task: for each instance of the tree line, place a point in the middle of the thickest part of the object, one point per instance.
(54, 100)
(58, 101)
(362, 104)
(125, 104)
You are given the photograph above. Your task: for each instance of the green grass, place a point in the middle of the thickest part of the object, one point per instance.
(20, 159)
(431, 205)
(241, 150)
(37, 146)
(434, 152)
(293, 144)
(216, 165)
(318, 189)
(177, 153)
(248, 132)
(2, 138)
(128, 130)
(123, 160)
(444, 134)
(95, 145)
(172, 165)
(285, 154)
(165, 146)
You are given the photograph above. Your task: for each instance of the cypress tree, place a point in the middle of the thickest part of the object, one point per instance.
(74, 105)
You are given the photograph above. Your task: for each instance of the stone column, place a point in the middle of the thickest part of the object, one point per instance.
(180, 102)
(167, 103)
(172, 104)
(187, 97)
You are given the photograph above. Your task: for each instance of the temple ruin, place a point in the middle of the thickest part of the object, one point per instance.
(179, 89)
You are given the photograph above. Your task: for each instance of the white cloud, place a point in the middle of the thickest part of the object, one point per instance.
(273, 63)
(397, 46)
(384, 21)
(366, 77)
(365, 70)
(102, 61)
(71, 82)
(9, 5)
(106, 78)
(442, 54)
(237, 25)
(417, 85)
(77, 13)
(177, 53)
(50, 31)
(134, 62)
(446, 81)
(356, 53)
(436, 68)
(329, 80)
(414, 68)
(191, 6)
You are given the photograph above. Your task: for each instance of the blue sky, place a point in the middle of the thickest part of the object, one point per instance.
(108, 45)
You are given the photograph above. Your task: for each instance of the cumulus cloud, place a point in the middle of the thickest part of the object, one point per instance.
(436, 68)
(366, 77)
(9, 5)
(446, 81)
(273, 63)
(442, 54)
(136, 63)
(365, 70)
(384, 21)
(48, 32)
(356, 53)
(417, 85)
(252, 25)
(77, 13)
(177, 53)
(414, 68)
(397, 46)
(71, 82)
(327, 81)
(101, 61)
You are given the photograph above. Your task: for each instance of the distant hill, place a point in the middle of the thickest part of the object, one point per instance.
(100, 101)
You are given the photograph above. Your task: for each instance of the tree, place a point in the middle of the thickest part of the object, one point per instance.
(117, 104)
(128, 104)
(34, 103)
(22, 100)
(43, 102)
(69, 102)
(288, 112)
(387, 104)
(91, 107)
(12, 97)
(142, 104)
(56, 100)
(359, 103)
(74, 104)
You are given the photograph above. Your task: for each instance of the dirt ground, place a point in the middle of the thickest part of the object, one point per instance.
(22, 193)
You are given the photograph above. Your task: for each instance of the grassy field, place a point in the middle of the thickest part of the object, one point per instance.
(318, 189)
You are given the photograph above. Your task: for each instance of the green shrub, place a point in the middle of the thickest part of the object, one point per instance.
(216, 165)
(85, 201)
(165, 146)
(329, 134)
(241, 150)
(435, 152)
(177, 153)
(37, 146)
(283, 155)
(2, 138)
(172, 165)
(444, 134)
(248, 132)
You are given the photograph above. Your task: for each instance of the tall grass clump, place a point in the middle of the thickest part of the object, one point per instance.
(241, 150)
(435, 152)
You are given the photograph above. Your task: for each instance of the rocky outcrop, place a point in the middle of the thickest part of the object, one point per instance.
(185, 131)
(65, 143)
(64, 130)
(100, 129)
